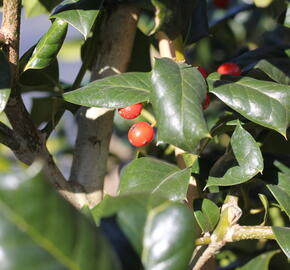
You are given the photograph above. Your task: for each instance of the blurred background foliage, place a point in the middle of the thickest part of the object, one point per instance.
(231, 32)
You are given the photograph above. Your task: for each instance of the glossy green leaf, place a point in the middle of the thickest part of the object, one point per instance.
(265, 103)
(4, 81)
(81, 14)
(113, 92)
(37, 7)
(38, 79)
(177, 96)
(206, 214)
(131, 211)
(42, 231)
(282, 197)
(156, 177)
(260, 262)
(249, 158)
(283, 239)
(168, 238)
(276, 68)
(48, 46)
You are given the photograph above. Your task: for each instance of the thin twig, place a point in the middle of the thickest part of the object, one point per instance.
(230, 214)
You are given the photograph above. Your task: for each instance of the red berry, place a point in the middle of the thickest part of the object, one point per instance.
(203, 71)
(140, 134)
(131, 112)
(221, 3)
(206, 102)
(229, 69)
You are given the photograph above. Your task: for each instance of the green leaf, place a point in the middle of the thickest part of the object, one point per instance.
(265, 103)
(147, 221)
(42, 231)
(198, 23)
(156, 177)
(284, 182)
(44, 109)
(283, 239)
(177, 96)
(282, 197)
(283, 168)
(48, 46)
(131, 211)
(113, 92)
(37, 7)
(4, 81)
(260, 262)
(168, 238)
(206, 214)
(276, 68)
(248, 156)
(172, 16)
(81, 14)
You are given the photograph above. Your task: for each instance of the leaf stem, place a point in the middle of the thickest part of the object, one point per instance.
(148, 116)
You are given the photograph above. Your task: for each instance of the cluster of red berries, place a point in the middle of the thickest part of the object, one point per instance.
(140, 133)
(224, 69)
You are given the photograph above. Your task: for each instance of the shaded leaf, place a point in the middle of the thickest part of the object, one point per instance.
(247, 154)
(282, 197)
(48, 46)
(113, 92)
(206, 214)
(44, 109)
(283, 239)
(260, 262)
(168, 238)
(172, 16)
(58, 239)
(177, 96)
(81, 14)
(156, 177)
(276, 68)
(265, 103)
(131, 212)
(198, 23)
(4, 81)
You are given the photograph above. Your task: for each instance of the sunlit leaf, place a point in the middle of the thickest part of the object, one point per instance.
(48, 46)
(155, 176)
(113, 92)
(177, 97)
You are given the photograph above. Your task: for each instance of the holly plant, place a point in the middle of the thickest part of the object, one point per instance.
(168, 150)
